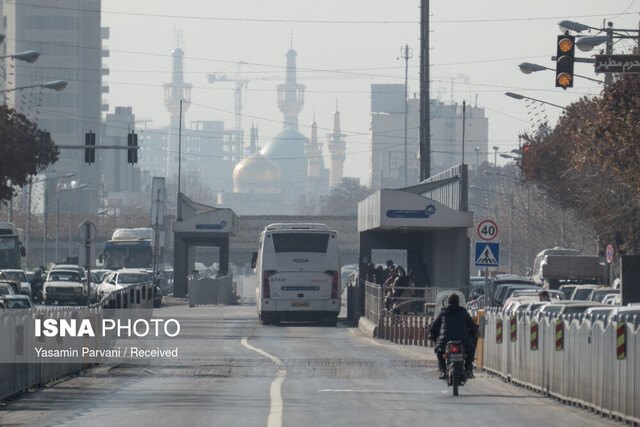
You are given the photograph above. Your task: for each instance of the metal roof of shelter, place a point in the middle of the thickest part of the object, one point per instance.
(203, 219)
(389, 209)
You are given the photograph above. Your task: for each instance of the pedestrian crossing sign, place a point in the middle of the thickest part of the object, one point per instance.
(487, 254)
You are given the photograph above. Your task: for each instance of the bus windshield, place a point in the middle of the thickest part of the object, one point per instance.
(9, 252)
(116, 257)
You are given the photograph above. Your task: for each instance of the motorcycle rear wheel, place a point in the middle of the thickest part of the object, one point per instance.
(456, 381)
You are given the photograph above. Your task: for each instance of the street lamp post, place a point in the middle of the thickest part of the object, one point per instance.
(521, 97)
(495, 155)
(57, 85)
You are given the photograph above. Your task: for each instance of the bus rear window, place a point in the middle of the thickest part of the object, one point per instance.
(301, 242)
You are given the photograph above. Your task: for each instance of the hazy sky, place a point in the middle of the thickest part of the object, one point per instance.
(343, 47)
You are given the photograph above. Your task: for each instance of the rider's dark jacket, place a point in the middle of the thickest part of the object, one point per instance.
(453, 324)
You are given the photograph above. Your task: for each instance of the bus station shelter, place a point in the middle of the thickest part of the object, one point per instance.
(200, 225)
(430, 232)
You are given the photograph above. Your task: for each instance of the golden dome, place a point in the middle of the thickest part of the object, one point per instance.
(256, 173)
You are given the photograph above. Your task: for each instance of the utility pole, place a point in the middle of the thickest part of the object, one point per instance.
(464, 119)
(511, 234)
(178, 200)
(608, 77)
(425, 119)
(46, 220)
(406, 54)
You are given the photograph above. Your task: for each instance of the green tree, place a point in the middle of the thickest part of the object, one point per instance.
(589, 162)
(25, 151)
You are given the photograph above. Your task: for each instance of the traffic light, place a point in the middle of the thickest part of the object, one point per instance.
(132, 153)
(89, 151)
(564, 61)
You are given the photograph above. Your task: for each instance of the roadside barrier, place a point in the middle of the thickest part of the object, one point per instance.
(589, 361)
(20, 366)
(405, 329)
(211, 291)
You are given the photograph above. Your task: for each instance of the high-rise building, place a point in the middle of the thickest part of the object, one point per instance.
(387, 159)
(69, 39)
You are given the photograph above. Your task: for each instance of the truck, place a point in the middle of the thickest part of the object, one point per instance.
(11, 248)
(558, 266)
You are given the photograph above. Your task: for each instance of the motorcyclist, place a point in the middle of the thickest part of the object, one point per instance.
(454, 324)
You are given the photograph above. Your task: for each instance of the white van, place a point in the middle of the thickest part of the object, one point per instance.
(298, 273)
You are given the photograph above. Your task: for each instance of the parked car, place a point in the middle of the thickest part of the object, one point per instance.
(582, 292)
(504, 291)
(7, 288)
(477, 287)
(567, 307)
(16, 301)
(598, 295)
(20, 278)
(121, 279)
(514, 304)
(531, 307)
(98, 274)
(613, 299)
(567, 290)
(64, 286)
(553, 294)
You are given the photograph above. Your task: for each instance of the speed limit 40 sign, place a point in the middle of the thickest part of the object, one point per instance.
(487, 230)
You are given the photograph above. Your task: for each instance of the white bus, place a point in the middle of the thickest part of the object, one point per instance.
(298, 273)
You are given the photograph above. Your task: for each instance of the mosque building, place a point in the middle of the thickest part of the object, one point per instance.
(289, 171)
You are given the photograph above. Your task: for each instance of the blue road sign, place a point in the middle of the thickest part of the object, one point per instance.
(487, 254)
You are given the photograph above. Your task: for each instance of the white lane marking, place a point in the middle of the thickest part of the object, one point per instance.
(274, 359)
(275, 392)
(277, 408)
(328, 390)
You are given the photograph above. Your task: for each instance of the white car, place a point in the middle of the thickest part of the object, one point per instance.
(64, 286)
(16, 275)
(121, 279)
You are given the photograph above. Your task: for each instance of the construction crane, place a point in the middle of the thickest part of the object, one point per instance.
(237, 144)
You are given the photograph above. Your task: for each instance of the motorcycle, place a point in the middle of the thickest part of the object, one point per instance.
(455, 374)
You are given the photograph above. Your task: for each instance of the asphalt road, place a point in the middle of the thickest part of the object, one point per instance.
(237, 372)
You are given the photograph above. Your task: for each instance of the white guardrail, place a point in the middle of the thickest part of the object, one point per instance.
(590, 361)
(21, 368)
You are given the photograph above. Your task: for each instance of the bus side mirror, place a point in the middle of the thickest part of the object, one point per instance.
(23, 251)
(100, 258)
(254, 259)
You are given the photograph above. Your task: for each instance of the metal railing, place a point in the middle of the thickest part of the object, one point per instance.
(589, 360)
(379, 299)
(21, 368)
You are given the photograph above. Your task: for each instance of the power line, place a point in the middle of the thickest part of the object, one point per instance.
(308, 21)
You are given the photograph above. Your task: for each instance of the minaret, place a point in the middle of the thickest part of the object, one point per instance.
(337, 144)
(291, 94)
(174, 92)
(253, 144)
(313, 150)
